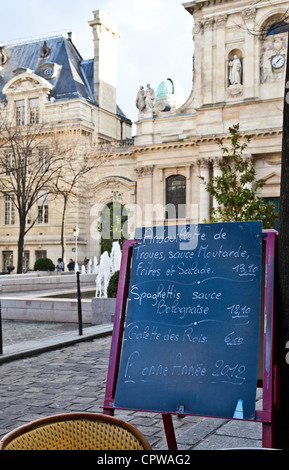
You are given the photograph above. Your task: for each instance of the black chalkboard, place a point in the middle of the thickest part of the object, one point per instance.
(191, 336)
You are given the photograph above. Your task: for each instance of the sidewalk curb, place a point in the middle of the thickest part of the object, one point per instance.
(34, 347)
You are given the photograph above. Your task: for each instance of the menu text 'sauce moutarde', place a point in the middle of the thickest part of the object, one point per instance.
(192, 325)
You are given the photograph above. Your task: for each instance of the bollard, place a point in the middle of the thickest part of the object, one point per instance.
(79, 304)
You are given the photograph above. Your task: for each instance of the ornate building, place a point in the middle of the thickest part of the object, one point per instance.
(46, 82)
(238, 77)
(240, 51)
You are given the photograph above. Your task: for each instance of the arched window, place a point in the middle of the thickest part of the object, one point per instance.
(278, 28)
(176, 197)
(113, 225)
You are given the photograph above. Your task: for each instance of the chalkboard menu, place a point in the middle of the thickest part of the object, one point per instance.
(191, 335)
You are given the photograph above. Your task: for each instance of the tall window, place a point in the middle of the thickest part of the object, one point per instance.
(7, 259)
(27, 113)
(34, 111)
(20, 112)
(26, 260)
(9, 162)
(9, 210)
(43, 160)
(42, 215)
(42, 209)
(176, 197)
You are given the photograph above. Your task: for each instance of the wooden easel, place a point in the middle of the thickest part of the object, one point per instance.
(270, 376)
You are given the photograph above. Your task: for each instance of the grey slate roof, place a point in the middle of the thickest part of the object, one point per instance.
(75, 76)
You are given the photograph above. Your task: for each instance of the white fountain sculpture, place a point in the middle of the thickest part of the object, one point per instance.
(103, 276)
(76, 268)
(107, 266)
(115, 257)
(95, 266)
(89, 267)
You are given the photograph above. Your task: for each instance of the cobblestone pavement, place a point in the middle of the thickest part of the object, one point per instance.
(18, 331)
(73, 378)
(65, 380)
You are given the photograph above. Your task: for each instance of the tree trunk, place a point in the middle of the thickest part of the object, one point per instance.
(20, 246)
(63, 242)
(282, 286)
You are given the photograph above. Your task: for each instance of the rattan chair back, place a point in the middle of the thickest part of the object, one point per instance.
(76, 431)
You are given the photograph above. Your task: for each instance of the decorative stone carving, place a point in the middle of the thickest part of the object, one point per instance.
(197, 28)
(149, 98)
(144, 171)
(221, 20)
(145, 99)
(235, 74)
(140, 99)
(208, 24)
(204, 163)
(249, 14)
(235, 91)
(272, 46)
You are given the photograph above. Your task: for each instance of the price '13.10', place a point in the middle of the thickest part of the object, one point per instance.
(244, 270)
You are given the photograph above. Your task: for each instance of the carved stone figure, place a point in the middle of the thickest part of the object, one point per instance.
(145, 99)
(149, 98)
(235, 71)
(140, 99)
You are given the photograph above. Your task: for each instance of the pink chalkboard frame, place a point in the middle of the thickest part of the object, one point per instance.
(270, 375)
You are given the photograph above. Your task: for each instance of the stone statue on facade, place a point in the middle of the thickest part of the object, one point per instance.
(235, 74)
(149, 98)
(140, 99)
(145, 99)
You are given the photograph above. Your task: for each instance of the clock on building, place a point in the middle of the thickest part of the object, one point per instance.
(278, 61)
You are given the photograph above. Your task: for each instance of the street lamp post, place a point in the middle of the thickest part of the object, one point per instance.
(76, 234)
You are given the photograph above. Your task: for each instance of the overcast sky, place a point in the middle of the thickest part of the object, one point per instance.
(156, 40)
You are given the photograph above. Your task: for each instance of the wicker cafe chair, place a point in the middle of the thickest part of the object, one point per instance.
(75, 431)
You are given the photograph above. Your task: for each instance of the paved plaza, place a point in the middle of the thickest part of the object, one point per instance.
(73, 378)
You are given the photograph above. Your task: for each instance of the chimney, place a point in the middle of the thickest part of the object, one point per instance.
(106, 39)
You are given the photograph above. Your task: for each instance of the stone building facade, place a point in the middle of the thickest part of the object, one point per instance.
(238, 77)
(239, 62)
(47, 83)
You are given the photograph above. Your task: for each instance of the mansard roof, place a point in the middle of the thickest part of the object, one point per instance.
(57, 60)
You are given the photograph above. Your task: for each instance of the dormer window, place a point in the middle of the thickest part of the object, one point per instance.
(49, 70)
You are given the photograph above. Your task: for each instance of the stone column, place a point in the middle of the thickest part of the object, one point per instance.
(249, 76)
(204, 208)
(145, 195)
(198, 38)
(220, 69)
(208, 60)
(216, 172)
